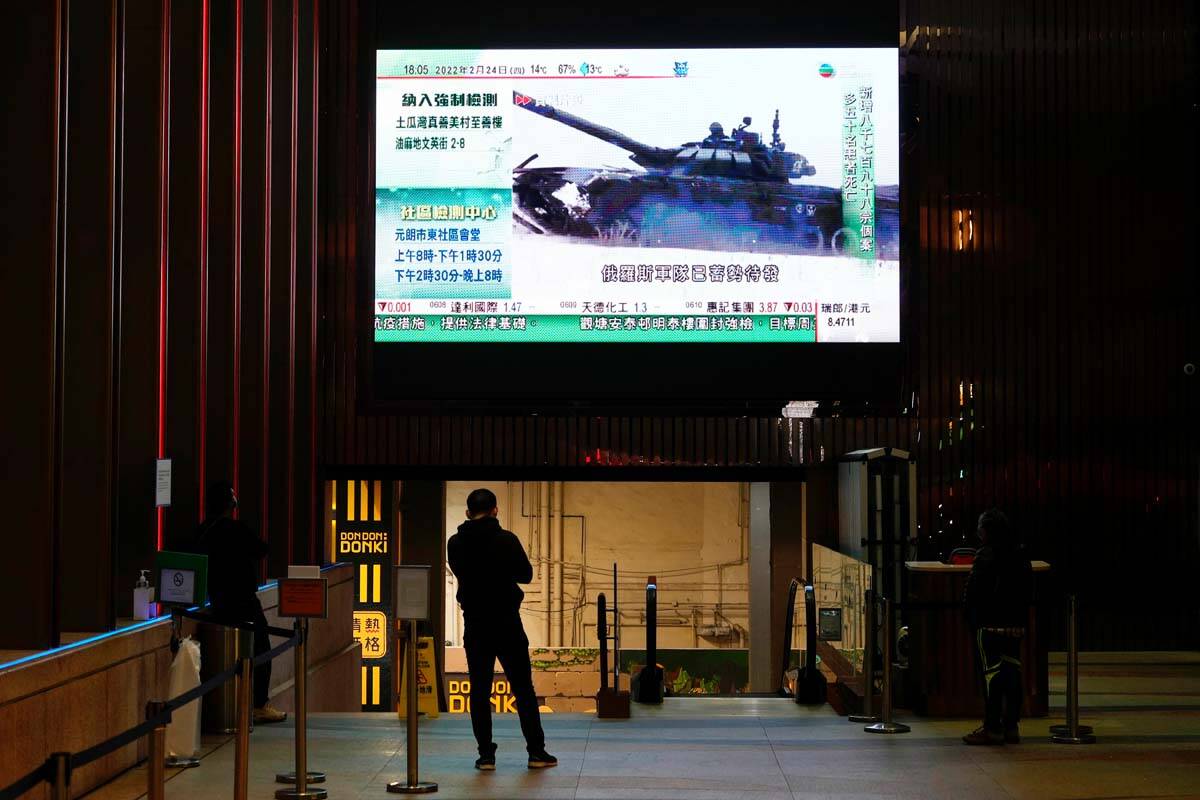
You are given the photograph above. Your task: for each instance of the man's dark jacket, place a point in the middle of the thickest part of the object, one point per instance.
(489, 562)
(1000, 588)
(234, 553)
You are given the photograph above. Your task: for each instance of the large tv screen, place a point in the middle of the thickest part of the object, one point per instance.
(637, 196)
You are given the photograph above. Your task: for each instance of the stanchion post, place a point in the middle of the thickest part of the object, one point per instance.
(412, 748)
(868, 715)
(886, 725)
(245, 681)
(412, 785)
(60, 776)
(301, 777)
(1072, 732)
(156, 754)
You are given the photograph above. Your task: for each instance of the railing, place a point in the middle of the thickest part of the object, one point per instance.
(57, 768)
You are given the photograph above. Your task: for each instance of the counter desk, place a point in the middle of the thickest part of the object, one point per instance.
(942, 678)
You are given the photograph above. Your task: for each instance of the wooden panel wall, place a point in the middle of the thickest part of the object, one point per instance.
(160, 279)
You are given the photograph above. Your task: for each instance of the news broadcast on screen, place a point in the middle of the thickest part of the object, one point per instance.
(637, 196)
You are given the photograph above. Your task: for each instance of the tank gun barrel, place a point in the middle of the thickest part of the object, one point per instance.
(643, 154)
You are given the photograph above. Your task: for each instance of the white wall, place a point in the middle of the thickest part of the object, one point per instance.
(691, 536)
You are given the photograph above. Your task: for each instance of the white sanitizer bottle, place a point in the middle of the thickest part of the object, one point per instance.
(143, 596)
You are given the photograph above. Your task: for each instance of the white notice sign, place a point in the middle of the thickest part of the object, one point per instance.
(162, 482)
(177, 586)
(412, 592)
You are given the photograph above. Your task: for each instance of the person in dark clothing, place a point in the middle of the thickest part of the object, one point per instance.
(998, 595)
(489, 562)
(234, 553)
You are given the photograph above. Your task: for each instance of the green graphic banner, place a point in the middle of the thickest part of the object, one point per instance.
(598, 328)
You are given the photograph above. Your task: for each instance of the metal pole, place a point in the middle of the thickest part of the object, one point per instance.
(412, 785)
(241, 755)
(868, 716)
(231, 639)
(156, 759)
(412, 748)
(1074, 733)
(60, 776)
(301, 776)
(886, 725)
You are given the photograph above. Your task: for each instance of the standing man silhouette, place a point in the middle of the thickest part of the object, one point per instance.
(998, 594)
(489, 562)
(234, 552)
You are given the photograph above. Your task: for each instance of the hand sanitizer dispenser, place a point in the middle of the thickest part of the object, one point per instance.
(143, 596)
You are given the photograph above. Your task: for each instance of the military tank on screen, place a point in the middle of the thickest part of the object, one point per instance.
(723, 192)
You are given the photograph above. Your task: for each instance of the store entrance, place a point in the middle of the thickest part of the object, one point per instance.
(694, 538)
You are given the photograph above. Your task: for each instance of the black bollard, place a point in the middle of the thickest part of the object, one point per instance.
(650, 679)
(602, 635)
(610, 702)
(788, 618)
(811, 685)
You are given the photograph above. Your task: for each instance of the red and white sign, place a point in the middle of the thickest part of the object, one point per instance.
(304, 598)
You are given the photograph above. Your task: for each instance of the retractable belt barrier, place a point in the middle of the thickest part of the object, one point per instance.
(58, 766)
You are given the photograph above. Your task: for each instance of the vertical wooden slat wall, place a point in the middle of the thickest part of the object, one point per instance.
(88, 285)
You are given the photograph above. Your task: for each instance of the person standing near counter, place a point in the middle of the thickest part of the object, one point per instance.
(998, 595)
(234, 552)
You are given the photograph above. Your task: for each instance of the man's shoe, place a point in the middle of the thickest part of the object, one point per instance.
(1012, 736)
(982, 736)
(268, 714)
(486, 763)
(542, 760)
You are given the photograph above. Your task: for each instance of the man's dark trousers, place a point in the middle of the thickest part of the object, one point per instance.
(252, 612)
(999, 658)
(501, 636)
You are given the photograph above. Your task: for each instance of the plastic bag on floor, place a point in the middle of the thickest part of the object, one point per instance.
(183, 732)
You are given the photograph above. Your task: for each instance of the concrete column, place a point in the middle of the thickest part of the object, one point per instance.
(760, 588)
(546, 555)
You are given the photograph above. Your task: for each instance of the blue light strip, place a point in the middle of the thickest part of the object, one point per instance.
(120, 631)
(90, 640)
